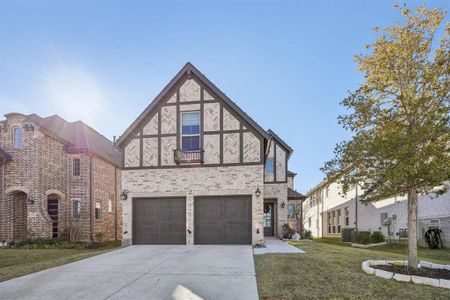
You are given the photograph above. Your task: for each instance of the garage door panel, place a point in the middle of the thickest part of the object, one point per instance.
(159, 221)
(222, 220)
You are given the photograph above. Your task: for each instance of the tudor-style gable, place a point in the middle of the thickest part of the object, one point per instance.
(192, 123)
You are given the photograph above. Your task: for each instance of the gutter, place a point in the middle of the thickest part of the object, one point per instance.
(115, 203)
(91, 227)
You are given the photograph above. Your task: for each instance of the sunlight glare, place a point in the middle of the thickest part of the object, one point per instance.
(73, 91)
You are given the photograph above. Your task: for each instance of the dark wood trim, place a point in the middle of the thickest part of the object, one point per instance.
(190, 71)
(221, 133)
(178, 118)
(159, 137)
(241, 144)
(202, 121)
(162, 135)
(228, 131)
(141, 148)
(275, 162)
(275, 182)
(196, 166)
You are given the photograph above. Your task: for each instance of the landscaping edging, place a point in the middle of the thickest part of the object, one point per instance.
(368, 245)
(443, 283)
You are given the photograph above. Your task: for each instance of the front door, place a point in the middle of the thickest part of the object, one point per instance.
(268, 219)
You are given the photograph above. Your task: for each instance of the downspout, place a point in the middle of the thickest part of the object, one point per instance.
(3, 190)
(115, 203)
(321, 216)
(91, 226)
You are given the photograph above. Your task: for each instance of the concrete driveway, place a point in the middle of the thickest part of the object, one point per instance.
(145, 272)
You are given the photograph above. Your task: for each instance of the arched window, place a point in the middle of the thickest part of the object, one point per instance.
(18, 137)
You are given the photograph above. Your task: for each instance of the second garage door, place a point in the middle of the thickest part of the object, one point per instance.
(159, 221)
(223, 220)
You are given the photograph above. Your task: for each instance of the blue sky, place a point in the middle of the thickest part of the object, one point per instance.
(288, 64)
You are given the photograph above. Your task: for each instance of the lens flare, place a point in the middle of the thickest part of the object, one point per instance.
(73, 91)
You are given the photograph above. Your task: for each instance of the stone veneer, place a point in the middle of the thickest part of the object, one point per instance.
(192, 182)
(278, 191)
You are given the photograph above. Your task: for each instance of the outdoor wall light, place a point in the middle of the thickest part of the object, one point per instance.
(257, 230)
(283, 204)
(124, 195)
(257, 193)
(30, 200)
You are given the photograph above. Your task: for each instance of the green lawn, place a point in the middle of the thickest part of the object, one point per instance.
(332, 270)
(18, 262)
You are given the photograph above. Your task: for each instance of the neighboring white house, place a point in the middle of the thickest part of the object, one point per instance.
(328, 211)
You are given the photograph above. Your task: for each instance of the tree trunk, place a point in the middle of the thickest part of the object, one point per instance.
(412, 228)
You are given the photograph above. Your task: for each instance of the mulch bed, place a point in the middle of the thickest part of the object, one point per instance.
(424, 272)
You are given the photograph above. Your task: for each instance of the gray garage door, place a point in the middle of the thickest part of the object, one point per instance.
(159, 221)
(223, 220)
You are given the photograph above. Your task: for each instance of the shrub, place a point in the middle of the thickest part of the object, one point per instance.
(41, 243)
(376, 237)
(71, 233)
(99, 237)
(287, 231)
(363, 237)
(306, 235)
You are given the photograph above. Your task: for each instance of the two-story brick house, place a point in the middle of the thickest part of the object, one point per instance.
(54, 174)
(198, 170)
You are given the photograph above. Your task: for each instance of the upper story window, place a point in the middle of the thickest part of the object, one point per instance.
(76, 167)
(190, 131)
(18, 137)
(269, 166)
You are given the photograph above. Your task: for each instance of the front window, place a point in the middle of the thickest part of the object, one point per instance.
(18, 137)
(291, 211)
(98, 211)
(329, 222)
(333, 214)
(190, 131)
(76, 209)
(347, 216)
(110, 205)
(269, 166)
(339, 220)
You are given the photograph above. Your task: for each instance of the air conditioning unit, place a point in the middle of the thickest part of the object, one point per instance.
(387, 222)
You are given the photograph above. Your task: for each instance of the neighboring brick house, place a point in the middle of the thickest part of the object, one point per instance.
(328, 211)
(198, 170)
(54, 174)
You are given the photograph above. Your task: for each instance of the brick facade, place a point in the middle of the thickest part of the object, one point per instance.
(42, 169)
(232, 146)
(191, 183)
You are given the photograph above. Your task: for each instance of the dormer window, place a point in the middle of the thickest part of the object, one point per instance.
(190, 131)
(18, 138)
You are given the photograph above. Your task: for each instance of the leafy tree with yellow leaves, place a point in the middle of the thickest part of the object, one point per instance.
(399, 116)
